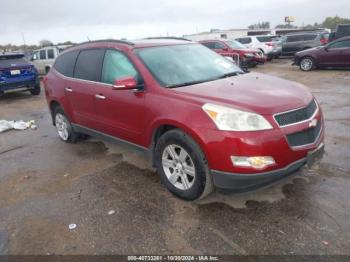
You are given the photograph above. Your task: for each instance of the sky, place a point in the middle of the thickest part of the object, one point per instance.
(80, 20)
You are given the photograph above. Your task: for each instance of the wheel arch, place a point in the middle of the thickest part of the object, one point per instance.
(165, 126)
(53, 105)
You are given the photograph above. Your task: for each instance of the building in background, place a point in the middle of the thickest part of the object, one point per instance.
(236, 33)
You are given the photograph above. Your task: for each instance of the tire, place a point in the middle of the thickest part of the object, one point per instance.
(36, 91)
(307, 64)
(179, 159)
(64, 127)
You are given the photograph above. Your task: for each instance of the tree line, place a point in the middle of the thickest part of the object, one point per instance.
(329, 22)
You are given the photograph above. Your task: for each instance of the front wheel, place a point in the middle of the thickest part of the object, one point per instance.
(182, 166)
(307, 64)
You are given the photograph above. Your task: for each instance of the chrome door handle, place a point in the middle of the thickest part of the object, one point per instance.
(68, 89)
(100, 97)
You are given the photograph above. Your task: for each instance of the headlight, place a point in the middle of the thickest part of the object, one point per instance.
(229, 119)
(248, 55)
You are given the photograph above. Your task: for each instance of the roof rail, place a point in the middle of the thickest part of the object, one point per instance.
(170, 38)
(106, 40)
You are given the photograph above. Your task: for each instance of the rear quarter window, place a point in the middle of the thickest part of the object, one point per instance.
(65, 63)
(89, 65)
(309, 37)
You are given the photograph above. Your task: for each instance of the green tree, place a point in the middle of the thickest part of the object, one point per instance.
(332, 22)
(260, 25)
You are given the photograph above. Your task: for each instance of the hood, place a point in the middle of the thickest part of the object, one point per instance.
(252, 92)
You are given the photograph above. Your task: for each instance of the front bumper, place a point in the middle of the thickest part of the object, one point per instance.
(247, 182)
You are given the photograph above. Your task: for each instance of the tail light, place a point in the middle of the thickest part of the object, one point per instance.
(324, 41)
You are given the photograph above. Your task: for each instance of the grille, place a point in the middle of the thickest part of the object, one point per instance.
(296, 116)
(304, 137)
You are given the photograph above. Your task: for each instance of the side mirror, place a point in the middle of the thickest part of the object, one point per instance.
(125, 83)
(326, 48)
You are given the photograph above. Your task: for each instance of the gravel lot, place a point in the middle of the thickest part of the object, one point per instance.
(45, 185)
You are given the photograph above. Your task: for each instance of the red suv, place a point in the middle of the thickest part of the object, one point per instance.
(203, 121)
(248, 57)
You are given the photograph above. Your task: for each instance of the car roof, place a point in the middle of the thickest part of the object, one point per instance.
(307, 33)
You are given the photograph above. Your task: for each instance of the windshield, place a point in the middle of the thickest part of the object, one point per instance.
(235, 44)
(181, 65)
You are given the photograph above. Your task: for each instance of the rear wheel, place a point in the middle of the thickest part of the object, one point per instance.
(64, 127)
(307, 64)
(182, 166)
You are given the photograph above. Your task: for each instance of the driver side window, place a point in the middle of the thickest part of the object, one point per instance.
(116, 65)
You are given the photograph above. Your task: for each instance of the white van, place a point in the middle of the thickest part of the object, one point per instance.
(43, 58)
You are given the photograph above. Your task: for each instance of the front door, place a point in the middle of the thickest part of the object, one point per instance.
(336, 54)
(119, 113)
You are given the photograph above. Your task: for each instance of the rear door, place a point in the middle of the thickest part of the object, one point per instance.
(119, 113)
(80, 89)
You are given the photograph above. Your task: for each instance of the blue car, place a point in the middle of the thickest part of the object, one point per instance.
(18, 74)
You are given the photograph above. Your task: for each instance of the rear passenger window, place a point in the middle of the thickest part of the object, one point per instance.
(115, 66)
(264, 39)
(42, 54)
(65, 63)
(50, 54)
(89, 65)
(209, 45)
(245, 40)
(309, 37)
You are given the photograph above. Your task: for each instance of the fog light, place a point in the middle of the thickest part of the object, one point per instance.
(257, 162)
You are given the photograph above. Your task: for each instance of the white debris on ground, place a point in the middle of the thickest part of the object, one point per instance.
(17, 125)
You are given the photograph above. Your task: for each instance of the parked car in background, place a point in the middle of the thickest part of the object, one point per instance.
(247, 57)
(262, 43)
(334, 54)
(43, 58)
(18, 74)
(292, 43)
(341, 31)
(202, 120)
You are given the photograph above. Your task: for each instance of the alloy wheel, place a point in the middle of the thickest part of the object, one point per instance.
(62, 126)
(306, 64)
(178, 167)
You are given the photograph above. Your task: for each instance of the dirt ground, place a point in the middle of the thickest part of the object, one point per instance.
(46, 184)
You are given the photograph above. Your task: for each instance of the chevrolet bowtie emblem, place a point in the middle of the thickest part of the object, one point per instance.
(313, 123)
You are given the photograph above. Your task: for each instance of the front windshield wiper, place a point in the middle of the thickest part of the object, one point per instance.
(186, 84)
(235, 73)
